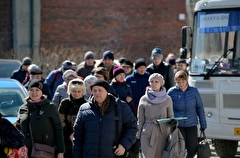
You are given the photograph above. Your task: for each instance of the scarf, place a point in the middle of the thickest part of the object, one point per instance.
(156, 97)
(104, 106)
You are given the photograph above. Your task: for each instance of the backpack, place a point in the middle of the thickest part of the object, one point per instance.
(175, 146)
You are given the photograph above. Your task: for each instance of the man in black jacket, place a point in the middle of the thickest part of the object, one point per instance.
(161, 67)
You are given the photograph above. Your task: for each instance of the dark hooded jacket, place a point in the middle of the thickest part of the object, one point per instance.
(95, 135)
(45, 123)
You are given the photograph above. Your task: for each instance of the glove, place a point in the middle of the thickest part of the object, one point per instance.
(202, 129)
(172, 122)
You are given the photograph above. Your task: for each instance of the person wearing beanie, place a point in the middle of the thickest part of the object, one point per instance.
(22, 74)
(54, 78)
(172, 62)
(44, 119)
(68, 110)
(85, 68)
(98, 138)
(61, 91)
(36, 73)
(128, 67)
(88, 81)
(181, 65)
(154, 104)
(121, 60)
(119, 87)
(107, 62)
(138, 81)
(161, 67)
(10, 137)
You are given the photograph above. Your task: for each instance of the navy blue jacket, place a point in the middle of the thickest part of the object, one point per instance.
(138, 84)
(19, 75)
(95, 137)
(188, 104)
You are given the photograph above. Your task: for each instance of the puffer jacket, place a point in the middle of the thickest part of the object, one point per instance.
(45, 123)
(188, 104)
(94, 136)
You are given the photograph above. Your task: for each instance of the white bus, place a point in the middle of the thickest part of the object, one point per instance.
(212, 47)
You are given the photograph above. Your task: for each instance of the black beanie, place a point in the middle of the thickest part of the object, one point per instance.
(38, 83)
(140, 62)
(101, 83)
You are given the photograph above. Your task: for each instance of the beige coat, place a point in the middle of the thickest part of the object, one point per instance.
(152, 134)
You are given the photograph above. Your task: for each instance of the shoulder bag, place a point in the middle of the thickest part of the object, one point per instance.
(40, 150)
(133, 152)
(203, 150)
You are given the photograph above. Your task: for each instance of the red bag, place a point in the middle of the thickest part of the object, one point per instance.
(17, 153)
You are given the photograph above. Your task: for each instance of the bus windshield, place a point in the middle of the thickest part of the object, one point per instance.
(216, 45)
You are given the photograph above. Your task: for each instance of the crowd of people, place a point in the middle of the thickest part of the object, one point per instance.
(74, 108)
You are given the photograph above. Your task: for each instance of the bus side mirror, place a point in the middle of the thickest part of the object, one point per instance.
(183, 53)
(184, 36)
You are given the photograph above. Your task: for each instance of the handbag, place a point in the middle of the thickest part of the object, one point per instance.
(203, 150)
(21, 152)
(41, 150)
(133, 152)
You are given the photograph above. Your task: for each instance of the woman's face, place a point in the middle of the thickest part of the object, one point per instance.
(120, 77)
(182, 83)
(77, 93)
(35, 93)
(99, 93)
(155, 84)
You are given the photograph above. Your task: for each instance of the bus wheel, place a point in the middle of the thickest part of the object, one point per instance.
(226, 148)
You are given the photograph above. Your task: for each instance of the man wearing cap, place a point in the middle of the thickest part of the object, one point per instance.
(36, 73)
(22, 73)
(138, 81)
(181, 65)
(128, 67)
(107, 63)
(94, 128)
(54, 79)
(85, 68)
(161, 67)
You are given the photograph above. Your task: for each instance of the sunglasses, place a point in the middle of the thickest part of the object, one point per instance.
(77, 82)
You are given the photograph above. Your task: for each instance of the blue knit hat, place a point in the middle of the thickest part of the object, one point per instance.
(108, 55)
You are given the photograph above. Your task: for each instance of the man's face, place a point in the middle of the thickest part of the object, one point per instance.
(99, 93)
(141, 70)
(89, 62)
(157, 60)
(181, 66)
(107, 62)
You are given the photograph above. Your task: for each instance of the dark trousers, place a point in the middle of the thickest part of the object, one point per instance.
(191, 140)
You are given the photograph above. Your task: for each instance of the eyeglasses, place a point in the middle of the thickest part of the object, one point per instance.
(126, 67)
(77, 82)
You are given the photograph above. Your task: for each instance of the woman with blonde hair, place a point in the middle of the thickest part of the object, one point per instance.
(68, 110)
